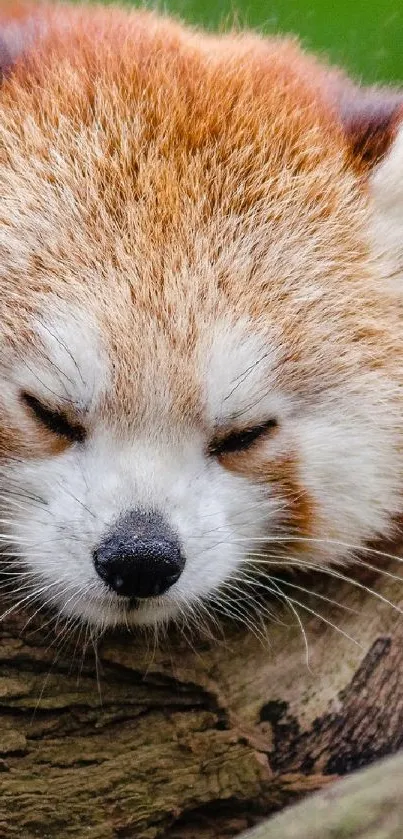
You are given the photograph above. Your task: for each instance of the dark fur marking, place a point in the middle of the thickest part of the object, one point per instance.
(370, 118)
(6, 61)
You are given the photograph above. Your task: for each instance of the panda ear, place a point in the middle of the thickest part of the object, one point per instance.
(7, 53)
(16, 37)
(370, 118)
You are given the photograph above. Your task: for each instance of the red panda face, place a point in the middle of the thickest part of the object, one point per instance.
(200, 358)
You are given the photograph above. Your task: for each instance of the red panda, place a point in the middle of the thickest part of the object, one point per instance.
(201, 343)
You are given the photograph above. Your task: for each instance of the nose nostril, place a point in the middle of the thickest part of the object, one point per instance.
(164, 583)
(173, 578)
(135, 566)
(129, 576)
(117, 583)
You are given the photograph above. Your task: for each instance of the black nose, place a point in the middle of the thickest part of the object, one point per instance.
(141, 557)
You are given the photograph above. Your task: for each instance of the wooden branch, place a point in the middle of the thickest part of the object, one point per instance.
(367, 805)
(196, 741)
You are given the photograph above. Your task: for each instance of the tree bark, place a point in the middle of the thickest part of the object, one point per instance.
(200, 740)
(367, 806)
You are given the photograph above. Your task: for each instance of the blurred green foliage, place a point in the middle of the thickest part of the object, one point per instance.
(364, 36)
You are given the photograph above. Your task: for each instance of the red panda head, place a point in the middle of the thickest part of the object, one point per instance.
(200, 355)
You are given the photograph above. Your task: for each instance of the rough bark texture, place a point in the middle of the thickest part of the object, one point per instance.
(199, 742)
(367, 806)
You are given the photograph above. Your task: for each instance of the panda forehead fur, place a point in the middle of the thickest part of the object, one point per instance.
(192, 245)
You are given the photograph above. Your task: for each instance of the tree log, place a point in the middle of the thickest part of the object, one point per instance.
(199, 740)
(367, 806)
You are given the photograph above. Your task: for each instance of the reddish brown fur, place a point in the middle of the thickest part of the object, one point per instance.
(235, 130)
(282, 473)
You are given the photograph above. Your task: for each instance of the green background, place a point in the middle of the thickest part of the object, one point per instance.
(365, 36)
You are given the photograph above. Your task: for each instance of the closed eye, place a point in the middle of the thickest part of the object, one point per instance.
(239, 441)
(55, 421)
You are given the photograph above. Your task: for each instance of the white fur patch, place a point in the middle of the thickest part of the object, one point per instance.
(240, 376)
(66, 363)
(86, 493)
(387, 192)
(60, 508)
